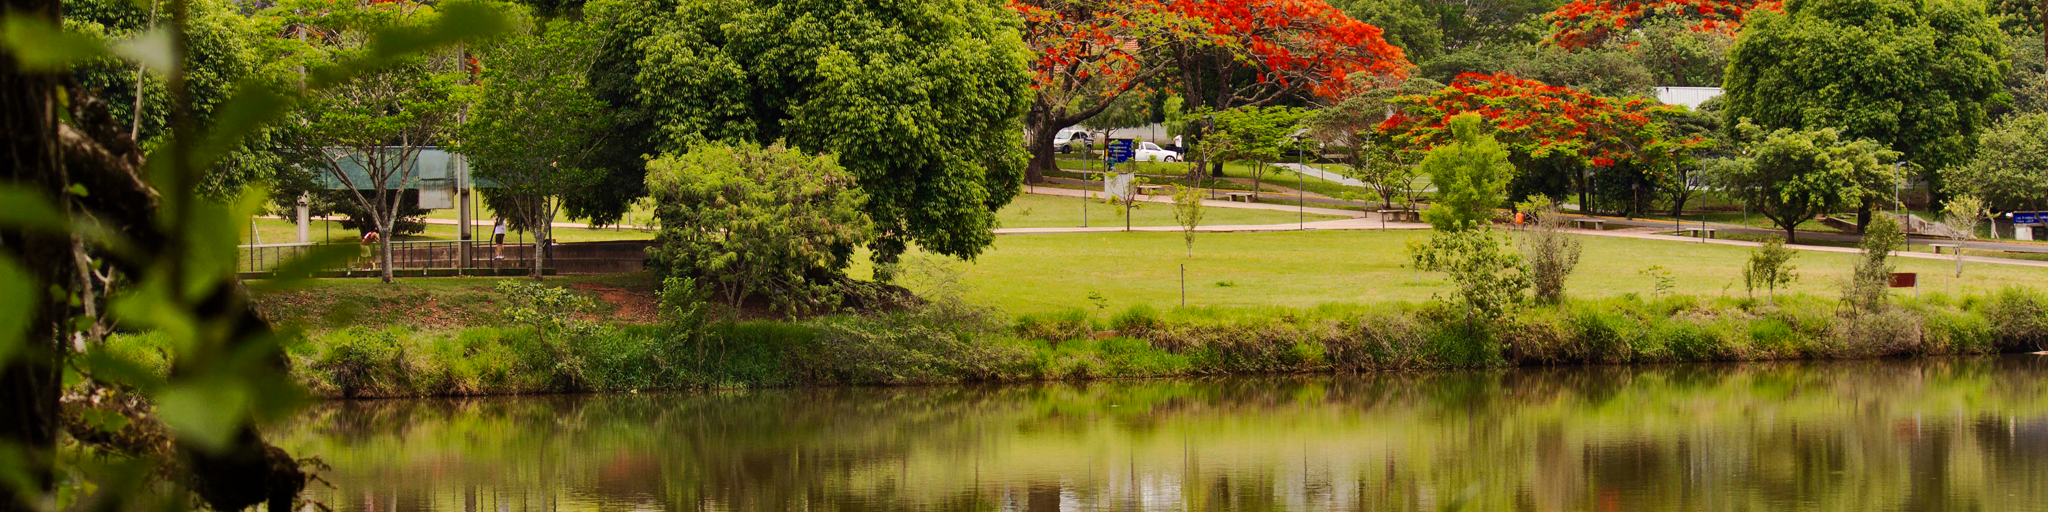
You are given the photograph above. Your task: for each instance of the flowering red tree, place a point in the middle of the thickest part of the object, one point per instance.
(1588, 23)
(1088, 52)
(1254, 52)
(1227, 53)
(1539, 121)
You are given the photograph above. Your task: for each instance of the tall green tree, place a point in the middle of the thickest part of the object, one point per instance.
(1790, 176)
(1253, 135)
(534, 125)
(1914, 75)
(922, 100)
(2010, 171)
(1471, 176)
(218, 41)
(369, 130)
(1348, 126)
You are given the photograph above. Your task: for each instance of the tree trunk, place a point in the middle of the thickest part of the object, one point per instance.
(543, 229)
(1863, 215)
(1585, 203)
(1043, 158)
(30, 157)
(384, 248)
(1792, 234)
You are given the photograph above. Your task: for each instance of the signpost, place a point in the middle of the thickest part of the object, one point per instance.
(1115, 151)
(2023, 222)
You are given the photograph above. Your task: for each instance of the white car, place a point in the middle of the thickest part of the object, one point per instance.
(1066, 141)
(1149, 152)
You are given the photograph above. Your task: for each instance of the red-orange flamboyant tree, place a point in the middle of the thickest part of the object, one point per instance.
(1588, 23)
(1088, 52)
(1224, 53)
(1257, 52)
(1539, 120)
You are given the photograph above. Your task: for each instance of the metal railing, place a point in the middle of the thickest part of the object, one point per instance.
(405, 255)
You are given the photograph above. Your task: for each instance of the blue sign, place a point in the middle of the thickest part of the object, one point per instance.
(2030, 217)
(1119, 150)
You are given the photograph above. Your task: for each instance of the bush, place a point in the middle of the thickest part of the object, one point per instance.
(943, 341)
(1135, 320)
(1071, 324)
(748, 221)
(361, 361)
(2019, 319)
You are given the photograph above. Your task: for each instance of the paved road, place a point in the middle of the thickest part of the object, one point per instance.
(1313, 172)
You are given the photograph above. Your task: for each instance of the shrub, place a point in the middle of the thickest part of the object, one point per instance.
(1871, 282)
(943, 341)
(2019, 319)
(1135, 320)
(750, 221)
(1070, 324)
(360, 361)
(1551, 253)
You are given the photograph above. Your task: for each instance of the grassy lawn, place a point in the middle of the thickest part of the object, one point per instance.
(1047, 273)
(1036, 211)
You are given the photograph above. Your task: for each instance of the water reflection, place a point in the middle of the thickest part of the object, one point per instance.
(1950, 434)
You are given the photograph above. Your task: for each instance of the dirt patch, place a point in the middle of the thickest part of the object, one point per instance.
(628, 304)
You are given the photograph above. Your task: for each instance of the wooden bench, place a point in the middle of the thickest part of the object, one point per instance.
(1149, 190)
(1238, 196)
(1597, 224)
(1938, 248)
(1700, 232)
(1401, 215)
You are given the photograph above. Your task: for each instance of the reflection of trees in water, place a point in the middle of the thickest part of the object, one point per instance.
(1919, 435)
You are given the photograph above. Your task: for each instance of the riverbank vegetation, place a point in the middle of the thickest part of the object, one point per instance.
(949, 341)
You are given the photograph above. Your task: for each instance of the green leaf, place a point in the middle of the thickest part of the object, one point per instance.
(208, 413)
(18, 297)
(152, 49)
(459, 21)
(104, 420)
(27, 208)
(42, 46)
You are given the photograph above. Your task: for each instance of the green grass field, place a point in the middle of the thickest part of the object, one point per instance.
(1111, 271)
(1037, 211)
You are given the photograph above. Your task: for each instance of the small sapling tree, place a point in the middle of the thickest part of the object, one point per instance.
(1188, 211)
(1552, 254)
(1769, 267)
(1871, 282)
(1963, 212)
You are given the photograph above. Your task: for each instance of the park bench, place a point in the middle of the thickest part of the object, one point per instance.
(1149, 190)
(1597, 224)
(1238, 196)
(1938, 248)
(1697, 232)
(1401, 215)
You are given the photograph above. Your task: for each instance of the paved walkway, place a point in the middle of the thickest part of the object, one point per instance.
(1311, 171)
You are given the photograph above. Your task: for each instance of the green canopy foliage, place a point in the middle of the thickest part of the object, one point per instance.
(922, 100)
(750, 221)
(2011, 168)
(1471, 176)
(1916, 76)
(1792, 175)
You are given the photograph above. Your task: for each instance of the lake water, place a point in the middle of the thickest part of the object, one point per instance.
(1940, 434)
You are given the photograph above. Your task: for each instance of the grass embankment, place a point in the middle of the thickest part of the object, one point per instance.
(1094, 306)
(948, 342)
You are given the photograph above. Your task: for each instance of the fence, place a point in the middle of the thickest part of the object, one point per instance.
(406, 256)
(452, 258)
